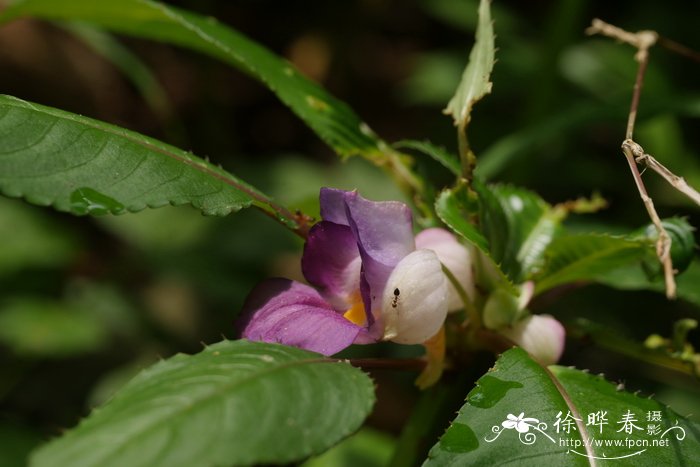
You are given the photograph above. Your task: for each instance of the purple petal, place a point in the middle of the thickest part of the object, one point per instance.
(332, 203)
(287, 312)
(331, 262)
(384, 235)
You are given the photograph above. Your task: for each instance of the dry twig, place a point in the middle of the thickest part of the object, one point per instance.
(643, 41)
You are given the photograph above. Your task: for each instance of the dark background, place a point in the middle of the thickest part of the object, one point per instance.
(131, 289)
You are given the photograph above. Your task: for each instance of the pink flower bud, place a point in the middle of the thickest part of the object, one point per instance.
(541, 335)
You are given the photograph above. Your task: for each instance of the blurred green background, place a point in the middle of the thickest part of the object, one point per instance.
(87, 302)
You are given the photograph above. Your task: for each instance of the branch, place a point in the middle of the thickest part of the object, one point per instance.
(642, 41)
(674, 180)
(663, 243)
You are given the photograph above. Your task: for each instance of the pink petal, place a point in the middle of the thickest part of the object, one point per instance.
(290, 313)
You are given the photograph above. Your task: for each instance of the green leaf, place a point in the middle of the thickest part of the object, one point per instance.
(447, 160)
(83, 166)
(615, 339)
(519, 226)
(517, 386)
(633, 278)
(587, 257)
(234, 403)
(330, 118)
(476, 82)
(455, 208)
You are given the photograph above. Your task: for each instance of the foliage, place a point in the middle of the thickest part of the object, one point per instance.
(104, 291)
(187, 409)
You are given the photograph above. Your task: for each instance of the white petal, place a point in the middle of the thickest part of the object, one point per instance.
(541, 335)
(455, 257)
(414, 304)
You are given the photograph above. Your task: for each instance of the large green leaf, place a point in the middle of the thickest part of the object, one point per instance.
(588, 257)
(83, 166)
(518, 387)
(519, 226)
(330, 118)
(235, 403)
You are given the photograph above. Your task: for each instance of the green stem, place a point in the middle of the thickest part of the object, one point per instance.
(472, 312)
(467, 158)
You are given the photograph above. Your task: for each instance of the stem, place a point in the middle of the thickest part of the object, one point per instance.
(398, 165)
(643, 41)
(472, 313)
(299, 223)
(663, 244)
(678, 48)
(466, 155)
(637, 91)
(674, 180)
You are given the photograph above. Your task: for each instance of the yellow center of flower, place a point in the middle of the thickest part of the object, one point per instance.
(356, 313)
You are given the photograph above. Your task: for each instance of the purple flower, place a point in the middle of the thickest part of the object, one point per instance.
(370, 283)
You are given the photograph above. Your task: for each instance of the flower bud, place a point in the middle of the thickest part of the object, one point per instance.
(541, 335)
(414, 303)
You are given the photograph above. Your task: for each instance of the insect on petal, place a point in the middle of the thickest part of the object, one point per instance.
(414, 303)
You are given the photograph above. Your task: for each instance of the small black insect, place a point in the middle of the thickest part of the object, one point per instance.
(395, 300)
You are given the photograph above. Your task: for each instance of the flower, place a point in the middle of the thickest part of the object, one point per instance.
(542, 336)
(370, 280)
(520, 423)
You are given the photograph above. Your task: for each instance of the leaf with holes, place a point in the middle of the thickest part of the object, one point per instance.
(83, 166)
(510, 418)
(234, 403)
